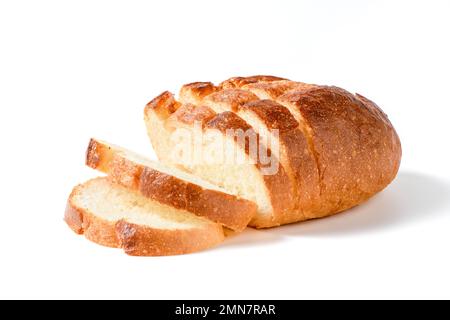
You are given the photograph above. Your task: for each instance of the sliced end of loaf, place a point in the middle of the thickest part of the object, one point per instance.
(272, 193)
(156, 113)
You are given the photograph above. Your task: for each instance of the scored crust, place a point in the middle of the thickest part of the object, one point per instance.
(226, 209)
(294, 154)
(238, 82)
(228, 100)
(272, 90)
(282, 187)
(138, 240)
(196, 91)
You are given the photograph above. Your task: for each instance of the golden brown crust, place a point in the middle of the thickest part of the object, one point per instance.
(302, 167)
(238, 82)
(139, 240)
(227, 121)
(273, 89)
(229, 99)
(228, 210)
(357, 149)
(188, 114)
(163, 105)
(196, 91)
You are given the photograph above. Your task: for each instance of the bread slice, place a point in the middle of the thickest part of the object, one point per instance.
(114, 216)
(271, 192)
(169, 185)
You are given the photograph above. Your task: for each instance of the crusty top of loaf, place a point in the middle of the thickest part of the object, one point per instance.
(234, 97)
(237, 82)
(273, 114)
(195, 91)
(274, 89)
(189, 114)
(163, 105)
(227, 120)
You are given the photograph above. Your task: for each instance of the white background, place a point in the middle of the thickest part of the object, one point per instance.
(70, 70)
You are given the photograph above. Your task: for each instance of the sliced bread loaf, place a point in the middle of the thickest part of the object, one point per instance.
(271, 192)
(337, 149)
(170, 185)
(114, 216)
(278, 127)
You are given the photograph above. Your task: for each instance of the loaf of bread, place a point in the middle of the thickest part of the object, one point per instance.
(260, 151)
(333, 149)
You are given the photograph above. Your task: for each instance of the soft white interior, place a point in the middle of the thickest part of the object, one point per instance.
(155, 125)
(113, 203)
(242, 179)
